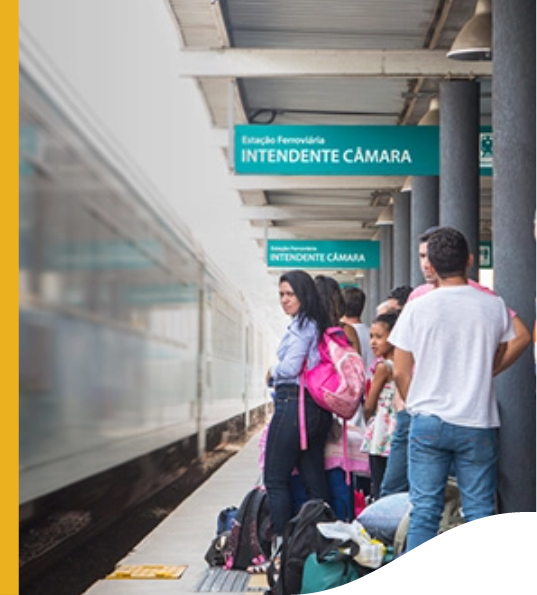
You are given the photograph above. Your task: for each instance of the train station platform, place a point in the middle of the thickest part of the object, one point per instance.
(171, 558)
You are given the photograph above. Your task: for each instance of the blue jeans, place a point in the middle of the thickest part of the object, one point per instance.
(434, 447)
(283, 453)
(396, 475)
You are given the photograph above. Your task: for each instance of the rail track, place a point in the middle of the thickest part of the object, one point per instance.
(67, 550)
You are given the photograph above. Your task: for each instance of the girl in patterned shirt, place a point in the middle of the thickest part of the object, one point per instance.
(380, 406)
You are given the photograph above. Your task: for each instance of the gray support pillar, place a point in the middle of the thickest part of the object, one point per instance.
(371, 294)
(365, 284)
(513, 126)
(401, 239)
(423, 214)
(386, 277)
(459, 161)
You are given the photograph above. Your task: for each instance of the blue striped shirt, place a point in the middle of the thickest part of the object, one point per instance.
(296, 344)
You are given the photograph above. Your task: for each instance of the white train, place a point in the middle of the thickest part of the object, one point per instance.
(131, 342)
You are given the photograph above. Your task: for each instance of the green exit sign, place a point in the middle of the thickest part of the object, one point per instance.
(485, 255)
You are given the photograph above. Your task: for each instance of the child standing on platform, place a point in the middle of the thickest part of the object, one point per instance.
(380, 403)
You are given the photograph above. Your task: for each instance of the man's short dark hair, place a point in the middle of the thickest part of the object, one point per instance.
(447, 251)
(354, 299)
(424, 237)
(400, 294)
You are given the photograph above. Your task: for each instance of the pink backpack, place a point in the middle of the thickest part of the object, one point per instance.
(336, 383)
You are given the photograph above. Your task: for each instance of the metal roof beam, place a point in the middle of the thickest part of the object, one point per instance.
(311, 213)
(278, 63)
(267, 183)
(328, 231)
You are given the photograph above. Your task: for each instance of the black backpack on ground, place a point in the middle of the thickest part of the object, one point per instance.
(214, 556)
(250, 540)
(301, 537)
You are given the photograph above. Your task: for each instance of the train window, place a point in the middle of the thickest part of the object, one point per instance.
(226, 329)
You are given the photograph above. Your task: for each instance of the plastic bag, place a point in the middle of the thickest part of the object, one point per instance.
(372, 551)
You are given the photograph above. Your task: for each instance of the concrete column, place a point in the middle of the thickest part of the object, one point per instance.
(365, 284)
(513, 127)
(401, 239)
(372, 293)
(423, 214)
(459, 161)
(386, 277)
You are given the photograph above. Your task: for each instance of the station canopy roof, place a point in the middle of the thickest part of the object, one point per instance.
(309, 62)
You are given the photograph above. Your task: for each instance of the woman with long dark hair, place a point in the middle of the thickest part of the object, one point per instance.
(332, 300)
(299, 299)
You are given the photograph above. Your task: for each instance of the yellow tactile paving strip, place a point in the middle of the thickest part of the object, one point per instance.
(258, 582)
(147, 571)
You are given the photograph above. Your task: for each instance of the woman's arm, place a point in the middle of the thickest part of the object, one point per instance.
(298, 343)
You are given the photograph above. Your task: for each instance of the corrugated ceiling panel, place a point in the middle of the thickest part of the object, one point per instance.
(374, 24)
(300, 99)
(196, 21)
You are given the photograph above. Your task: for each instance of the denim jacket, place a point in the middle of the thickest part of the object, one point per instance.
(297, 344)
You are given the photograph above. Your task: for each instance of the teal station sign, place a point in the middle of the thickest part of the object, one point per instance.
(345, 150)
(323, 254)
(337, 150)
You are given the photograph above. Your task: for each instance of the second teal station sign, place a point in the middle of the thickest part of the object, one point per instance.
(323, 254)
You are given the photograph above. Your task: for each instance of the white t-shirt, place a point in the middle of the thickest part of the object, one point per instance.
(453, 333)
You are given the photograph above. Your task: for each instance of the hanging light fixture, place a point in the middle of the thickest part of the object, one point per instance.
(474, 41)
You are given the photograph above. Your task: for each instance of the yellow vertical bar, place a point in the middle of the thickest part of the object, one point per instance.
(9, 540)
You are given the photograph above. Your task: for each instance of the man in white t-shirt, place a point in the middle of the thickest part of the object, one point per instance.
(396, 477)
(449, 344)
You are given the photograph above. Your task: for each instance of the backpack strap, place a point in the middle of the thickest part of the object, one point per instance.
(302, 413)
(345, 454)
